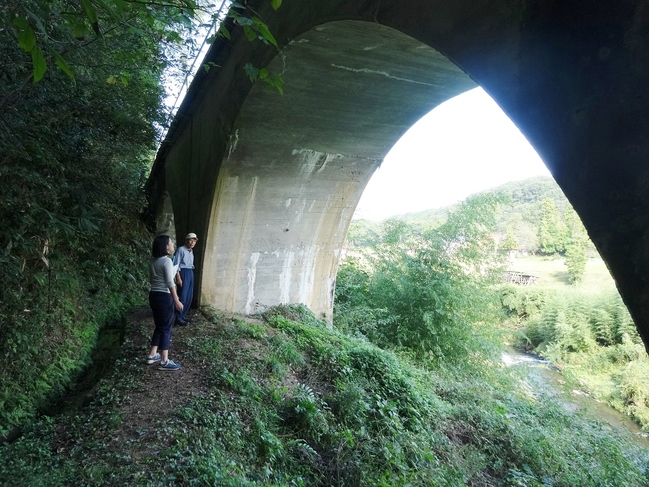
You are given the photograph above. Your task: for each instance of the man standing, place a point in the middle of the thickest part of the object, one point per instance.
(184, 259)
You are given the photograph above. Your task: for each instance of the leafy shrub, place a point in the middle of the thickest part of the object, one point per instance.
(523, 302)
(576, 260)
(294, 312)
(633, 389)
(306, 414)
(429, 292)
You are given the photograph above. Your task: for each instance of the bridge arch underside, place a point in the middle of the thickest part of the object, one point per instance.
(269, 182)
(296, 164)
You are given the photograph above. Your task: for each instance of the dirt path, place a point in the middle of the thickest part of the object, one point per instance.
(129, 408)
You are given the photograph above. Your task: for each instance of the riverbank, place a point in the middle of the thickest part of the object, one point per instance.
(285, 401)
(542, 377)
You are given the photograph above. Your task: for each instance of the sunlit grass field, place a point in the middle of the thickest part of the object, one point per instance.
(552, 273)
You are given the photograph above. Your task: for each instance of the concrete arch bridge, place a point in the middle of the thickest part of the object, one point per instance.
(270, 182)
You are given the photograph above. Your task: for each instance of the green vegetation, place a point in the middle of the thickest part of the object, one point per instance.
(81, 109)
(287, 401)
(407, 390)
(573, 316)
(552, 232)
(75, 155)
(510, 242)
(426, 291)
(588, 333)
(534, 218)
(49, 32)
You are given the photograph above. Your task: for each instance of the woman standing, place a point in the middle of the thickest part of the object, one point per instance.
(162, 299)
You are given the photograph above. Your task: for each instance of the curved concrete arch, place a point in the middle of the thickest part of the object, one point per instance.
(297, 164)
(573, 78)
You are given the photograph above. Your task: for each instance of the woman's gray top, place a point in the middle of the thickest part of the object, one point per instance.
(161, 274)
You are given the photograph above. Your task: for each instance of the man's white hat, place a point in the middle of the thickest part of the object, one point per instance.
(191, 235)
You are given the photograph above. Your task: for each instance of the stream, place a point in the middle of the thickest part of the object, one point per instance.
(543, 377)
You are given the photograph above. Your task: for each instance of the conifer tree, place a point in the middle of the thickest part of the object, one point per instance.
(576, 260)
(552, 231)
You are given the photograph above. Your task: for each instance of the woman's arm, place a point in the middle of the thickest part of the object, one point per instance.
(177, 260)
(177, 303)
(169, 279)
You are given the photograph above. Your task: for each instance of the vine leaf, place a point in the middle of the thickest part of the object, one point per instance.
(26, 35)
(251, 35)
(63, 66)
(91, 13)
(39, 63)
(251, 71)
(272, 79)
(223, 31)
(264, 31)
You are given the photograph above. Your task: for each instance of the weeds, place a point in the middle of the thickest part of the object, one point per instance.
(305, 405)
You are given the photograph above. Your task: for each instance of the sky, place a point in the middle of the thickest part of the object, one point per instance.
(463, 146)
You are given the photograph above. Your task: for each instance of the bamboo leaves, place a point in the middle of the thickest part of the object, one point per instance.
(76, 22)
(27, 42)
(39, 63)
(91, 13)
(26, 35)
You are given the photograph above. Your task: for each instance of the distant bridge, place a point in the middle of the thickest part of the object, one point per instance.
(521, 278)
(270, 182)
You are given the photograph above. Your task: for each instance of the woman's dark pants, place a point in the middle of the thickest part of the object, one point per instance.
(162, 305)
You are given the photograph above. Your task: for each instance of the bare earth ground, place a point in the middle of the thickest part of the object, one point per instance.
(553, 273)
(159, 392)
(128, 410)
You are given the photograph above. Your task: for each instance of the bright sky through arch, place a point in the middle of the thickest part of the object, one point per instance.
(463, 146)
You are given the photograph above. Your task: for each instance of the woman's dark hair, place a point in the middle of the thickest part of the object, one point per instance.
(159, 247)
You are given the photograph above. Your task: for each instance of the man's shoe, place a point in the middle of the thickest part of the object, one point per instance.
(180, 322)
(168, 365)
(152, 359)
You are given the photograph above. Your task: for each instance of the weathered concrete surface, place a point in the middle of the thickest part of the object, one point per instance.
(297, 164)
(243, 166)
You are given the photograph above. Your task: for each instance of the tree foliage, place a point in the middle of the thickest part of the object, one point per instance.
(172, 24)
(510, 242)
(55, 31)
(552, 231)
(72, 152)
(81, 90)
(426, 291)
(576, 260)
(524, 222)
(75, 148)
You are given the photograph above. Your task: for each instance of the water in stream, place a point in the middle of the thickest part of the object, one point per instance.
(543, 377)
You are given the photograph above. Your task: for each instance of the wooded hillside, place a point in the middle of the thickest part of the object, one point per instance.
(521, 215)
